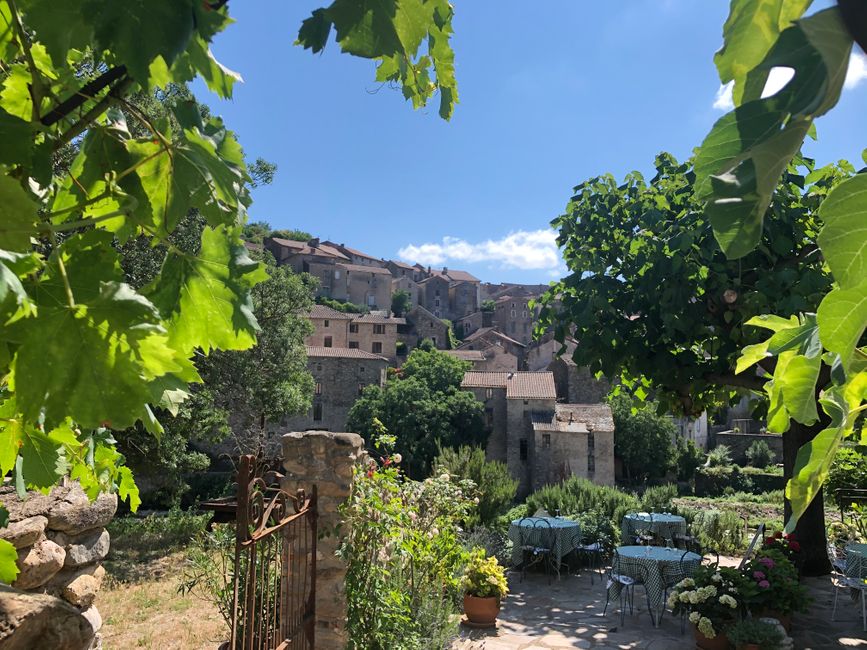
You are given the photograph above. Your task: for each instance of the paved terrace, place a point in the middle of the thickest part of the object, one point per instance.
(568, 614)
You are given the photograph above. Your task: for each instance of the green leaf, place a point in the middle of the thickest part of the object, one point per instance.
(11, 436)
(17, 215)
(842, 317)
(843, 239)
(135, 32)
(811, 469)
(774, 323)
(750, 31)
(751, 355)
(314, 31)
(218, 78)
(8, 562)
(59, 26)
(42, 463)
(205, 298)
(17, 138)
(127, 489)
(4, 516)
(15, 302)
(798, 386)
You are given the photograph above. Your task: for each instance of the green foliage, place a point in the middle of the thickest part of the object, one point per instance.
(255, 232)
(424, 407)
(494, 484)
(721, 530)
(752, 631)
(688, 459)
(454, 341)
(643, 440)
(515, 512)
(848, 470)
(772, 584)
(409, 39)
(759, 454)
(659, 498)
(342, 305)
(596, 526)
(401, 301)
(494, 541)
(404, 557)
(719, 456)
(576, 495)
(209, 570)
(726, 479)
(483, 576)
(489, 305)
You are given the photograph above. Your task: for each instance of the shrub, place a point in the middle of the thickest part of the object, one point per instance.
(689, 458)
(517, 512)
(659, 498)
(596, 526)
(719, 456)
(753, 631)
(494, 541)
(759, 454)
(642, 439)
(484, 577)
(495, 486)
(717, 481)
(721, 530)
(849, 470)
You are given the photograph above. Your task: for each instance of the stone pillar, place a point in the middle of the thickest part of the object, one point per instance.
(325, 459)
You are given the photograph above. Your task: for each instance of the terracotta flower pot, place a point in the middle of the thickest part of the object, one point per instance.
(719, 642)
(481, 612)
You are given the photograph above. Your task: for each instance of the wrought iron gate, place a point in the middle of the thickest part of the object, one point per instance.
(274, 591)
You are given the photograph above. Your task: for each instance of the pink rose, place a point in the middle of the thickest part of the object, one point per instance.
(764, 584)
(758, 575)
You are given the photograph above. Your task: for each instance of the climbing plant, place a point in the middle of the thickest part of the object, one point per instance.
(82, 353)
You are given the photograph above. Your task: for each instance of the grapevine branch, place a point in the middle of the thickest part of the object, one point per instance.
(79, 127)
(86, 92)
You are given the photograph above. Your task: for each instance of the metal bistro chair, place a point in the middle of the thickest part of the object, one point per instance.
(841, 580)
(709, 557)
(672, 574)
(617, 574)
(537, 545)
(593, 552)
(757, 538)
(642, 530)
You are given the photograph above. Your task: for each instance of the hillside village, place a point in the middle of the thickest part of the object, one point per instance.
(545, 416)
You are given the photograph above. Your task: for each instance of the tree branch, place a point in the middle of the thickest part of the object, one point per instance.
(79, 127)
(752, 382)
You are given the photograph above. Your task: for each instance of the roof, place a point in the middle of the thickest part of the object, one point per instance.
(434, 277)
(376, 318)
(456, 276)
(342, 353)
(402, 265)
(518, 385)
(557, 421)
(304, 248)
(360, 268)
(491, 330)
(596, 417)
(467, 355)
(321, 311)
(253, 246)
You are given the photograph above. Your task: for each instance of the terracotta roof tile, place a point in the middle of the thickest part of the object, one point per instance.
(467, 355)
(361, 268)
(376, 318)
(518, 385)
(342, 353)
(321, 311)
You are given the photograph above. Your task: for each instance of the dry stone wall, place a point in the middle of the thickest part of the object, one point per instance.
(61, 541)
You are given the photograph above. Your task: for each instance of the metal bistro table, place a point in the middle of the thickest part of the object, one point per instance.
(856, 560)
(665, 525)
(656, 561)
(563, 530)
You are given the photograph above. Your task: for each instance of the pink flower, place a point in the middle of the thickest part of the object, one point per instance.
(758, 575)
(764, 584)
(768, 562)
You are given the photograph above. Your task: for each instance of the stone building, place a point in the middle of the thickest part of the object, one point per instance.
(492, 359)
(311, 257)
(374, 332)
(420, 325)
(575, 385)
(483, 338)
(406, 283)
(539, 440)
(514, 316)
(491, 291)
(403, 270)
(330, 327)
(463, 299)
(356, 256)
(542, 351)
(369, 286)
(472, 322)
(339, 375)
(434, 295)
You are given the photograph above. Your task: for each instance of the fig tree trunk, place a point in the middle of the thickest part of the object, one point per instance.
(810, 530)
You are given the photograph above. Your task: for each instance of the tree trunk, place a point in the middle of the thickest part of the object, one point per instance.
(810, 530)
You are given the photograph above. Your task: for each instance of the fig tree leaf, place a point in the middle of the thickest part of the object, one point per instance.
(842, 317)
(843, 239)
(812, 465)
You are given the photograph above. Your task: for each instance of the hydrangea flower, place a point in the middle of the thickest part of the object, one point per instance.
(764, 584)
(758, 575)
(706, 627)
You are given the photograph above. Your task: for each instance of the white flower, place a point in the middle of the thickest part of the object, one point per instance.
(476, 500)
(725, 599)
(706, 627)
(694, 617)
(397, 458)
(444, 477)
(716, 577)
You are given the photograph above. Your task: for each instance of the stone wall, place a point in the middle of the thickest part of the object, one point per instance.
(740, 442)
(61, 541)
(326, 460)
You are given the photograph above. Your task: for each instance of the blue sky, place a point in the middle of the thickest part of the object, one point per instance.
(551, 93)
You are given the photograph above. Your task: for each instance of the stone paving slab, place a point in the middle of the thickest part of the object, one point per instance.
(568, 615)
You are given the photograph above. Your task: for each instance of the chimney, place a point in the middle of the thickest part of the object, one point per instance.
(445, 270)
(428, 270)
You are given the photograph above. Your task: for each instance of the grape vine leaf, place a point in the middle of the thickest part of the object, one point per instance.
(8, 562)
(59, 26)
(17, 138)
(11, 436)
(42, 463)
(18, 216)
(127, 488)
(205, 297)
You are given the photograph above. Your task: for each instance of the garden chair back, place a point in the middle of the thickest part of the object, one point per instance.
(760, 534)
(848, 575)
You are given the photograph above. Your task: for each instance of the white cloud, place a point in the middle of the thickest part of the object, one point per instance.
(857, 71)
(779, 77)
(527, 250)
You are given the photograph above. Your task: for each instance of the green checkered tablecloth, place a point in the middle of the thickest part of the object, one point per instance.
(663, 524)
(856, 560)
(653, 564)
(525, 531)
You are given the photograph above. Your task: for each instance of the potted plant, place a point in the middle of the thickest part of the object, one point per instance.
(754, 634)
(711, 598)
(484, 584)
(788, 545)
(771, 587)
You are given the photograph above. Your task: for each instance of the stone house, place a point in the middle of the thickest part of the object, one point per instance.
(403, 270)
(575, 385)
(339, 376)
(543, 350)
(514, 316)
(491, 291)
(420, 325)
(468, 324)
(406, 283)
(487, 336)
(369, 286)
(375, 333)
(356, 256)
(539, 440)
(330, 327)
(492, 358)
(434, 295)
(311, 257)
(475, 357)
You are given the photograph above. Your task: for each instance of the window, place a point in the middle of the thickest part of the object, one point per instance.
(353, 345)
(327, 341)
(317, 412)
(318, 389)
(337, 275)
(433, 340)
(377, 348)
(371, 300)
(591, 453)
(546, 440)
(513, 306)
(379, 329)
(430, 324)
(489, 418)
(524, 314)
(513, 314)
(523, 448)
(353, 328)
(437, 302)
(489, 393)
(360, 368)
(319, 367)
(360, 388)
(437, 294)
(327, 323)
